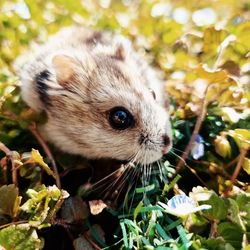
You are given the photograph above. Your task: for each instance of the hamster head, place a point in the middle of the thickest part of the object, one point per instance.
(98, 105)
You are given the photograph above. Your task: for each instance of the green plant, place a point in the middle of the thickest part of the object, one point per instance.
(203, 49)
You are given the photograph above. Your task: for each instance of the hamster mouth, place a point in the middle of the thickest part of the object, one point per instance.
(151, 156)
(153, 150)
(148, 158)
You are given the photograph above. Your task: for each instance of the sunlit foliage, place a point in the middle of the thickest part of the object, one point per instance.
(203, 50)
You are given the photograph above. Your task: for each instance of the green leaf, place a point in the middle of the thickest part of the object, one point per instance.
(9, 200)
(212, 244)
(168, 187)
(41, 203)
(132, 226)
(164, 248)
(161, 232)
(231, 233)
(243, 202)
(147, 244)
(219, 208)
(20, 237)
(124, 234)
(145, 189)
(151, 208)
(234, 214)
(151, 225)
(137, 209)
(246, 165)
(183, 236)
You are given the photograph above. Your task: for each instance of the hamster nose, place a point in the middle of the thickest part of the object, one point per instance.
(166, 140)
(166, 143)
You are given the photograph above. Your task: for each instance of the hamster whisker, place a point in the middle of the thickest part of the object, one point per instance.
(128, 175)
(136, 175)
(122, 175)
(179, 157)
(148, 172)
(110, 188)
(120, 180)
(181, 151)
(122, 169)
(144, 170)
(160, 170)
(133, 158)
(191, 169)
(132, 175)
(108, 176)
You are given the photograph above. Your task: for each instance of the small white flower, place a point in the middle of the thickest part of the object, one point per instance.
(198, 148)
(182, 205)
(22, 10)
(203, 17)
(181, 15)
(161, 9)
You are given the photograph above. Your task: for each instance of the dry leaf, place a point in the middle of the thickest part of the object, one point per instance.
(96, 206)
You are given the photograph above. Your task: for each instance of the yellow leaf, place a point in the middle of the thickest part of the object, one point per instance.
(242, 33)
(241, 137)
(36, 157)
(96, 206)
(222, 146)
(246, 165)
(212, 76)
(243, 132)
(230, 115)
(212, 39)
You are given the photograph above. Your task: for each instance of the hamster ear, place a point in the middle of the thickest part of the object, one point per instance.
(65, 68)
(120, 53)
(122, 48)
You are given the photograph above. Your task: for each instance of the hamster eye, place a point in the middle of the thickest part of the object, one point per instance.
(153, 93)
(120, 118)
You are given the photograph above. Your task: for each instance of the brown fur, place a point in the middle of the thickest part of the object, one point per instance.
(89, 74)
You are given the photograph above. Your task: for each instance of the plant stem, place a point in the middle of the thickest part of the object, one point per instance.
(9, 155)
(194, 134)
(214, 229)
(236, 172)
(46, 149)
(13, 223)
(239, 165)
(91, 242)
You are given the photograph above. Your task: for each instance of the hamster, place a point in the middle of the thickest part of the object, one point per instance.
(101, 98)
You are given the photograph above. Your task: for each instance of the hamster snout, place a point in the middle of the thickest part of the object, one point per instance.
(101, 98)
(166, 143)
